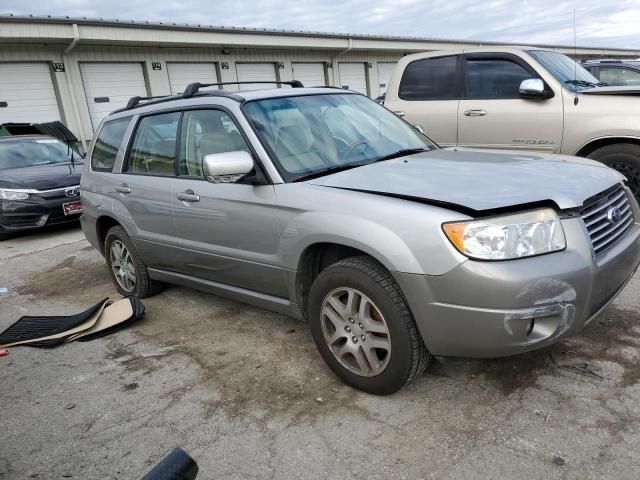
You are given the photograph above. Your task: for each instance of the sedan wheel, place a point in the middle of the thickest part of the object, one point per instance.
(356, 332)
(122, 265)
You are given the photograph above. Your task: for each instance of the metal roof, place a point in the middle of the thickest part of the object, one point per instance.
(115, 22)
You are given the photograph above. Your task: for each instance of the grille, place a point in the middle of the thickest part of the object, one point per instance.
(603, 232)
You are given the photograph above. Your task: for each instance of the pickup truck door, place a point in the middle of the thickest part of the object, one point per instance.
(428, 95)
(493, 115)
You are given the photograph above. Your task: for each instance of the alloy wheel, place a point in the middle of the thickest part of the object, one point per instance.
(122, 265)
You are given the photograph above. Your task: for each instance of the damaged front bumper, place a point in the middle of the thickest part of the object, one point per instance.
(492, 309)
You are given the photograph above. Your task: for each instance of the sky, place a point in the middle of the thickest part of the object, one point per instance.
(599, 23)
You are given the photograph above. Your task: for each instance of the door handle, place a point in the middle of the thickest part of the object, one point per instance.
(399, 113)
(124, 188)
(188, 196)
(475, 113)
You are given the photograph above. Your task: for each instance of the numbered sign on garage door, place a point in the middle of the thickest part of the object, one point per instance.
(310, 74)
(385, 70)
(182, 74)
(109, 86)
(27, 94)
(250, 72)
(353, 77)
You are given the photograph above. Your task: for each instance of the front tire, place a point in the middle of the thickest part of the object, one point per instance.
(128, 271)
(363, 328)
(625, 158)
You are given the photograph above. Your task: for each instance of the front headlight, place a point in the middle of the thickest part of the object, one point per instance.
(508, 236)
(13, 195)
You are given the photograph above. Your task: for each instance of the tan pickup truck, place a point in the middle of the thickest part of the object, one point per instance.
(519, 98)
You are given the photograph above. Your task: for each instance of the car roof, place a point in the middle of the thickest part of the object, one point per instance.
(248, 95)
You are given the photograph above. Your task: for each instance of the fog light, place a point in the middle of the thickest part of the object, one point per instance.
(42, 220)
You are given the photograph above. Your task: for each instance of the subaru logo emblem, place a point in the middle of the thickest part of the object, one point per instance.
(72, 191)
(614, 215)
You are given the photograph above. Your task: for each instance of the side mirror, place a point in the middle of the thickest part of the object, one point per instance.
(533, 88)
(421, 129)
(227, 167)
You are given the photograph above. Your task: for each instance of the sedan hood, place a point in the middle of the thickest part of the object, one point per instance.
(480, 180)
(41, 177)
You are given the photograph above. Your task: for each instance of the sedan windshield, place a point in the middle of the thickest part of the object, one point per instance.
(314, 135)
(34, 151)
(565, 70)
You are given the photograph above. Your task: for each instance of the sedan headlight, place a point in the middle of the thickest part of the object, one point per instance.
(508, 236)
(13, 195)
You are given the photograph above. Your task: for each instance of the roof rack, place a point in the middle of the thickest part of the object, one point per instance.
(135, 101)
(194, 88)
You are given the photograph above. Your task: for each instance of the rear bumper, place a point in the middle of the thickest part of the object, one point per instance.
(492, 309)
(17, 216)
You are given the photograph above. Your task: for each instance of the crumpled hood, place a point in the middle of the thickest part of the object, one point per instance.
(41, 177)
(481, 179)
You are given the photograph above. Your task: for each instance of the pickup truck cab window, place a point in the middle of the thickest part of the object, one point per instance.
(494, 78)
(431, 79)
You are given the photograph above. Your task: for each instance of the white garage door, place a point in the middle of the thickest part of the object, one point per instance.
(182, 74)
(353, 77)
(27, 93)
(248, 72)
(109, 86)
(310, 74)
(385, 70)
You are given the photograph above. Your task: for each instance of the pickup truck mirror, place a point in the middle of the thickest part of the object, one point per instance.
(227, 167)
(532, 88)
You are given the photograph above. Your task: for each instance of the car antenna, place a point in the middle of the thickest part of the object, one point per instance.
(575, 63)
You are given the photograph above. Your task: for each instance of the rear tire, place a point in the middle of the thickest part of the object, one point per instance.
(123, 259)
(625, 158)
(386, 321)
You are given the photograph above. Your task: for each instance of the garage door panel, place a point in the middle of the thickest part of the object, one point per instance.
(182, 74)
(263, 72)
(116, 81)
(353, 77)
(310, 74)
(28, 90)
(385, 70)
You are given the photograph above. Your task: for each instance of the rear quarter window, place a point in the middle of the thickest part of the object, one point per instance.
(107, 144)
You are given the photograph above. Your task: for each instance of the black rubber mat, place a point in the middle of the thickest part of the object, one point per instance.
(138, 311)
(28, 328)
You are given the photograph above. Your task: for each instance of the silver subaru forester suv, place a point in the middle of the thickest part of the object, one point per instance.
(323, 205)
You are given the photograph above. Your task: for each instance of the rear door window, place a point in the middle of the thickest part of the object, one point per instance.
(154, 145)
(494, 78)
(107, 144)
(431, 79)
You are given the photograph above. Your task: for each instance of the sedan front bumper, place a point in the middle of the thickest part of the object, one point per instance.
(492, 309)
(35, 212)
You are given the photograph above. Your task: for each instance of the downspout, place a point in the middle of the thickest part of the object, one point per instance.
(72, 90)
(334, 65)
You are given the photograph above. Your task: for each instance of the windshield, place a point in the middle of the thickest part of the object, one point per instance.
(565, 70)
(314, 134)
(33, 151)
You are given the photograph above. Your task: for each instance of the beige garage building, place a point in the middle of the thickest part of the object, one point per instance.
(77, 70)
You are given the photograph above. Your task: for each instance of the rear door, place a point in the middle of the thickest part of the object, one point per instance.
(429, 94)
(143, 189)
(493, 115)
(228, 231)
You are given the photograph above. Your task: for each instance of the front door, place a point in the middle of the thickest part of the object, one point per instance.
(493, 115)
(228, 231)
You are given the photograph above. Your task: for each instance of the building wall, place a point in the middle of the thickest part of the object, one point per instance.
(70, 90)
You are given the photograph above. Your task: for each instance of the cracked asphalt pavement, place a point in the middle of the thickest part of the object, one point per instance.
(244, 391)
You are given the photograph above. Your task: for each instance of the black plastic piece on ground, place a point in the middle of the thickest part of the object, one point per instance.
(178, 465)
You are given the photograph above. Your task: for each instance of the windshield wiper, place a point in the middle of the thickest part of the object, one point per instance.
(328, 171)
(401, 153)
(582, 83)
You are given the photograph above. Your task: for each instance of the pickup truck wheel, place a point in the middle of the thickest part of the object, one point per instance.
(625, 158)
(128, 271)
(363, 328)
